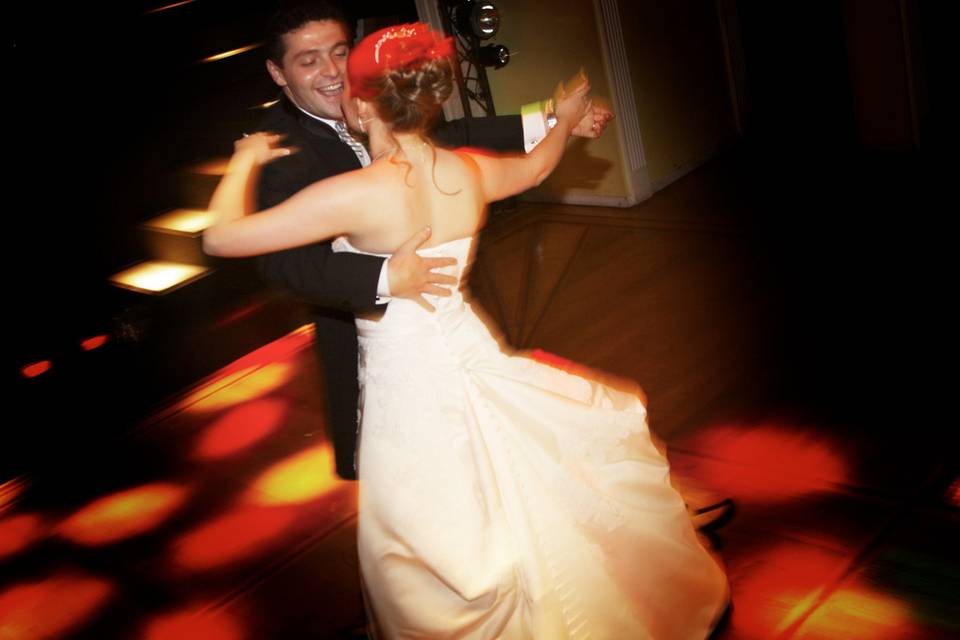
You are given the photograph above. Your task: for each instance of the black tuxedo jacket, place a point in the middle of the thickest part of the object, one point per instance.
(338, 284)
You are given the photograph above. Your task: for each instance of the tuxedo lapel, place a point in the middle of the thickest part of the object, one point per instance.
(324, 140)
(320, 154)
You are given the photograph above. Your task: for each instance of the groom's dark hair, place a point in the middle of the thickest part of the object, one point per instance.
(293, 15)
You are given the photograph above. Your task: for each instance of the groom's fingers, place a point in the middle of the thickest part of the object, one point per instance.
(414, 242)
(441, 278)
(435, 290)
(420, 300)
(436, 263)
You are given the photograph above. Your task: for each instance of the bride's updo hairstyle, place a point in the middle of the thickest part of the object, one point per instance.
(406, 72)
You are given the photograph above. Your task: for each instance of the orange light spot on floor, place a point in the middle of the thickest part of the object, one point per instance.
(123, 515)
(93, 343)
(770, 461)
(19, 532)
(780, 586)
(953, 493)
(279, 350)
(302, 477)
(799, 608)
(857, 613)
(231, 538)
(51, 607)
(196, 622)
(240, 428)
(239, 387)
(35, 369)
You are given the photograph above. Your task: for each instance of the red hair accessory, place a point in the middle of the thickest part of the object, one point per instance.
(392, 48)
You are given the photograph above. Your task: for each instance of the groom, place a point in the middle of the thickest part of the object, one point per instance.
(307, 51)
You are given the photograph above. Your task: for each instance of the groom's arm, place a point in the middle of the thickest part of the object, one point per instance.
(519, 133)
(314, 273)
(497, 133)
(323, 277)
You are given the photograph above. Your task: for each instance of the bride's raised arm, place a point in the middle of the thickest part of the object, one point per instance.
(323, 210)
(505, 175)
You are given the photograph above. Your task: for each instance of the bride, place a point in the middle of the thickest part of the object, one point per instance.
(499, 497)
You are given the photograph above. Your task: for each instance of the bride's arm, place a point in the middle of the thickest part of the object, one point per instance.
(323, 210)
(503, 176)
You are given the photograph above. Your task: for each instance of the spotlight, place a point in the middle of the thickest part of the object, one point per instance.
(479, 17)
(494, 55)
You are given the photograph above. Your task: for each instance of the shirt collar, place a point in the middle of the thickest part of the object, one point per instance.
(330, 122)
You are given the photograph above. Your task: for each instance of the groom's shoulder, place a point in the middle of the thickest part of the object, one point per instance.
(277, 118)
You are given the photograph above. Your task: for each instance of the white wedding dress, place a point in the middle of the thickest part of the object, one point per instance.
(504, 498)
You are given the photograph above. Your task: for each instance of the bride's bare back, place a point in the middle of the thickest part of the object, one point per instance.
(406, 192)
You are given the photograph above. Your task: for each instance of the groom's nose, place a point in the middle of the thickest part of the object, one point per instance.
(329, 68)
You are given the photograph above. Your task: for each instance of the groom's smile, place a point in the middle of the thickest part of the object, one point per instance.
(314, 67)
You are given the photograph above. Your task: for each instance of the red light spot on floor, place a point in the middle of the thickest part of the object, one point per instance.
(18, 532)
(93, 343)
(51, 607)
(953, 493)
(300, 478)
(240, 428)
(124, 514)
(238, 535)
(36, 369)
(768, 462)
(194, 623)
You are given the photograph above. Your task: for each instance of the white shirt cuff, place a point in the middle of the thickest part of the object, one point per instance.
(534, 124)
(383, 284)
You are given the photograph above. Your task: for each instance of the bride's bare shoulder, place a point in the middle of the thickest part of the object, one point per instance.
(470, 157)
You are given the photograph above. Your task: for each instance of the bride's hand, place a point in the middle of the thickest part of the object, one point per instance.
(572, 102)
(262, 147)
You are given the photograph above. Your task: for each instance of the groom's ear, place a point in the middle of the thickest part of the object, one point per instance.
(276, 73)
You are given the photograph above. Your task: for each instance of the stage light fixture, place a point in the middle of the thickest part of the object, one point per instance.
(478, 17)
(494, 55)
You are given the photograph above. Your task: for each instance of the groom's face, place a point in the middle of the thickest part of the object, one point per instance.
(314, 67)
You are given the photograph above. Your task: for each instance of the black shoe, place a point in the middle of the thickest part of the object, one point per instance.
(713, 516)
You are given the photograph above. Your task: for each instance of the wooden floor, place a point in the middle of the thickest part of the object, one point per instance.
(220, 517)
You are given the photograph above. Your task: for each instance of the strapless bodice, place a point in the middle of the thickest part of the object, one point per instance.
(405, 317)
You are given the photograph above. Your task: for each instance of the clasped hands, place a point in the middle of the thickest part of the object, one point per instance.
(591, 115)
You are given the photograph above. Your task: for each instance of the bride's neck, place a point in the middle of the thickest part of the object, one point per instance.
(383, 141)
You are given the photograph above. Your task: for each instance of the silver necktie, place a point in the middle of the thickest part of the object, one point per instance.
(353, 143)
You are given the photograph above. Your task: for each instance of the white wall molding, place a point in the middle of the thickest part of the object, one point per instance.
(636, 175)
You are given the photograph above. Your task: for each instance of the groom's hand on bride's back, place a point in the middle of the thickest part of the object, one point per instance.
(411, 276)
